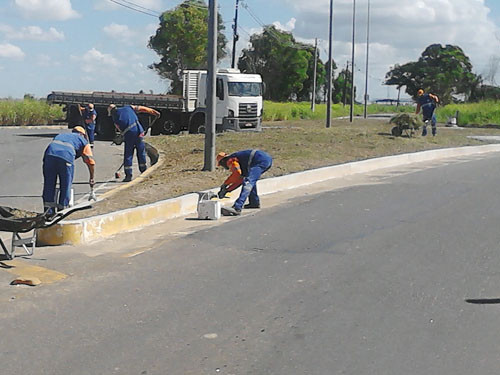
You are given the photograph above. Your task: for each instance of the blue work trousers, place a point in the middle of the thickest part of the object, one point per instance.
(56, 168)
(428, 115)
(90, 131)
(134, 142)
(249, 186)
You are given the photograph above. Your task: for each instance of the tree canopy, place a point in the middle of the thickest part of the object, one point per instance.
(181, 41)
(444, 71)
(286, 66)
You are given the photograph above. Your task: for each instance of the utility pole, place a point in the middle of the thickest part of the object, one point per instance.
(367, 52)
(313, 96)
(330, 70)
(352, 59)
(235, 35)
(211, 79)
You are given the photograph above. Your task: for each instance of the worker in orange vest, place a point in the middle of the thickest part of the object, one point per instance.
(246, 168)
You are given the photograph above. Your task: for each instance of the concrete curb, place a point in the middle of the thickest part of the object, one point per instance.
(99, 227)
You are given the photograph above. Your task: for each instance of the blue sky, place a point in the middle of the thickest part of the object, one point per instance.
(50, 45)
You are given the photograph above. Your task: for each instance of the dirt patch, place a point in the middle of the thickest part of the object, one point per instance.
(295, 146)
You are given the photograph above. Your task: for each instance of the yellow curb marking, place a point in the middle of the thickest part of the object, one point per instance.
(25, 271)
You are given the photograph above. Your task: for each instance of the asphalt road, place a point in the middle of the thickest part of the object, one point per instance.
(21, 152)
(396, 276)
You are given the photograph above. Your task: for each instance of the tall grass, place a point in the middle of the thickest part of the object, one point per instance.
(274, 111)
(482, 113)
(28, 112)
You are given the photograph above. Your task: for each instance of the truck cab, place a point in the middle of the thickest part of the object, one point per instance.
(239, 99)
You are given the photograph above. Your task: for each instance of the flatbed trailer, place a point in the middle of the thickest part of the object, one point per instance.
(165, 104)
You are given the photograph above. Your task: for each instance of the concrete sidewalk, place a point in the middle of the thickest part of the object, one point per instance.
(96, 228)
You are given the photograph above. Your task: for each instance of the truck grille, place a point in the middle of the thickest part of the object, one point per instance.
(247, 110)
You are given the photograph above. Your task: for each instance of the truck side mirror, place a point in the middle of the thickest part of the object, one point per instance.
(219, 89)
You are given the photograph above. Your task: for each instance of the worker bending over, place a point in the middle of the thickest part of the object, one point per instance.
(127, 123)
(89, 117)
(428, 104)
(58, 163)
(246, 168)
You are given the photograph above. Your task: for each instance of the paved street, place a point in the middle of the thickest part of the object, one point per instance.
(391, 273)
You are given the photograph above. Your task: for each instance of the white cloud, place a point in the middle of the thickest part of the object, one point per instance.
(289, 26)
(94, 61)
(120, 32)
(58, 10)
(32, 33)
(10, 51)
(144, 5)
(399, 31)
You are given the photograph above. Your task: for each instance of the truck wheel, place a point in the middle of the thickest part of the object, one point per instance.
(170, 127)
(396, 131)
(197, 124)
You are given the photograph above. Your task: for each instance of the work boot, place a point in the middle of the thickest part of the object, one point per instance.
(251, 205)
(230, 211)
(127, 178)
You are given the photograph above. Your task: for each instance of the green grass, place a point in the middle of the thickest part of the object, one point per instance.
(482, 113)
(302, 111)
(28, 112)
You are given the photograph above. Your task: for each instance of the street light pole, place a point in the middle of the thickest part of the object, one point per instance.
(211, 78)
(352, 59)
(313, 96)
(330, 70)
(367, 52)
(235, 35)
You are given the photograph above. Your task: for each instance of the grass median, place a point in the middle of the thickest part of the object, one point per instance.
(295, 146)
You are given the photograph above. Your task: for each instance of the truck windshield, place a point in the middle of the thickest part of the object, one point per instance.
(245, 88)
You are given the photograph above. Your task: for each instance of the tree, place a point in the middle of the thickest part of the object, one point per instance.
(280, 60)
(181, 41)
(307, 85)
(445, 71)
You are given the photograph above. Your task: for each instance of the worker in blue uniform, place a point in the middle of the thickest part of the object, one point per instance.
(246, 168)
(427, 102)
(89, 117)
(127, 123)
(58, 163)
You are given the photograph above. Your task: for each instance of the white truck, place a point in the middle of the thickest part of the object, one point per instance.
(239, 104)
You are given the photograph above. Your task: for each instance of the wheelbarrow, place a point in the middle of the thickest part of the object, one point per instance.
(20, 221)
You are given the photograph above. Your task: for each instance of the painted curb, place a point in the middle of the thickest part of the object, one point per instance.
(92, 229)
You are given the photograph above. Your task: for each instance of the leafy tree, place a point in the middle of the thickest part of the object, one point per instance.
(342, 87)
(307, 85)
(445, 71)
(181, 41)
(282, 63)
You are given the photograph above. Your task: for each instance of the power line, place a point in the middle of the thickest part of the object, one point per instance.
(134, 9)
(272, 33)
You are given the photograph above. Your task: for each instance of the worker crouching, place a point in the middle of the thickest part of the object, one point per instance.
(246, 168)
(58, 163)
(127, 123)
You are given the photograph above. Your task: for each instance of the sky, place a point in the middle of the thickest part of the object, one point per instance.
(98, 45)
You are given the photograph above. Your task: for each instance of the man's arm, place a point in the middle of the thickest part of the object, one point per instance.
(88, 159)
(418, 109)
(434, 97)
(143, 109)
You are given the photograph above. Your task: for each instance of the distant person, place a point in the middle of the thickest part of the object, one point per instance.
(246, 168)
(127, 123)
(58, 163)
(89, 117)
(428, 103)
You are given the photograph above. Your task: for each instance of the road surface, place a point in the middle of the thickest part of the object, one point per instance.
(392, 273)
